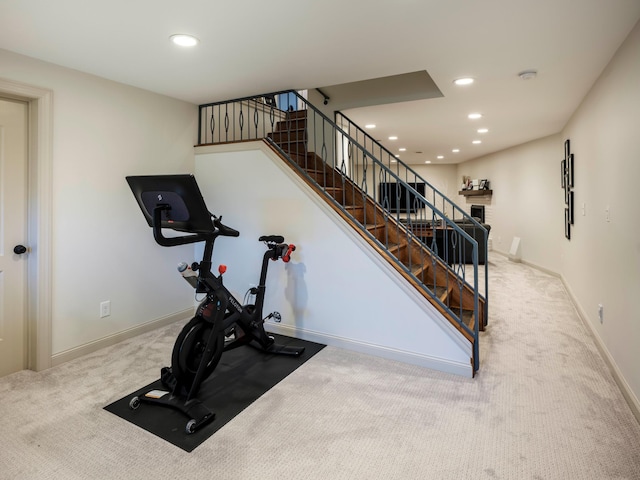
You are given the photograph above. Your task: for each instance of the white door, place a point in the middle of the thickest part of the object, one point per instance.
(13, 232)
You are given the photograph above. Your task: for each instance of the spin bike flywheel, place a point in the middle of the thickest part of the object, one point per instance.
(189, 350)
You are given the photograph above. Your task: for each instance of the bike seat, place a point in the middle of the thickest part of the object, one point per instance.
(271, 238)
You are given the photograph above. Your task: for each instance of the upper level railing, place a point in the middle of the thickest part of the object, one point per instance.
(353, 171)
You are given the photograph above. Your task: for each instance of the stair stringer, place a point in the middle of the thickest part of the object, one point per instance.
(354, 298)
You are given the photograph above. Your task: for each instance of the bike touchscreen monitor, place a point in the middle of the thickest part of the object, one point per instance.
(179, 197)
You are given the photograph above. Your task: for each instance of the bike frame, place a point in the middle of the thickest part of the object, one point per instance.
(247, 316)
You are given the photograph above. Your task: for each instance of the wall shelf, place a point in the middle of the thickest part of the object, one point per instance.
(475, 193)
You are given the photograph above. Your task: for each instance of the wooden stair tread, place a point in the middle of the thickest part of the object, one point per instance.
(295, 114)
(395, 247)
(468, 318)
(375, 226)
(418, 270)
(447, 291)
(291, 124)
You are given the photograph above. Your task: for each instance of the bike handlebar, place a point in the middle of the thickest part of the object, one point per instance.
(279, 251)
(219, 229)
(287, 256)
(223, 229)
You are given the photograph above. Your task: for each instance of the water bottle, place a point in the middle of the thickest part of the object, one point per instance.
(188, 274)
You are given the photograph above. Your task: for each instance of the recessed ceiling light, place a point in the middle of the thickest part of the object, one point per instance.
(394, 161)
(456, 150)
(428, 161)
(474, 116)
(397, 156)
(402, 149)
(483, 130)
(184, 40)
(463, 81)
(393, 137)
(476, 142)
(440, 157)
(371, 125)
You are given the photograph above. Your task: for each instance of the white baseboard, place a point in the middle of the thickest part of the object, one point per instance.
(434, 363)
(110, 340)
(530, 264)
(627, 393)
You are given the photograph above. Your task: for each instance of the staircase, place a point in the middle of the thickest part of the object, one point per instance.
(396, 241)
(416, 232)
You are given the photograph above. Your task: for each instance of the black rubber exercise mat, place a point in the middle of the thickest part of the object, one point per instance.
(241, 377)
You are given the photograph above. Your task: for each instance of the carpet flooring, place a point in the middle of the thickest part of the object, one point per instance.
(542, 406)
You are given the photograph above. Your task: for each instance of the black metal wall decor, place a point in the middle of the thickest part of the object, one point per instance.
(566, 173)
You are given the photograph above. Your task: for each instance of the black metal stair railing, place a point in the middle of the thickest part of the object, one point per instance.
(432, 194)
(390, 203)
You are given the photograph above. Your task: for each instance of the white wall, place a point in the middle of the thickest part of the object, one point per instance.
(527, 200)
(442, 177)
(102, 247)
(335, 290)
(601, 262)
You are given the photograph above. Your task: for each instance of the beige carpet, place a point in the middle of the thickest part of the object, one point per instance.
(543, 406)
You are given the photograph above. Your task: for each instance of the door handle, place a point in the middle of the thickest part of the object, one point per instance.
(19, 249)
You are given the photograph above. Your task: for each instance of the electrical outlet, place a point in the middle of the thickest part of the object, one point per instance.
(601, 313)
(105, 308)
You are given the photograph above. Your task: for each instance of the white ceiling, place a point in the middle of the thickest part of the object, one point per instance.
(251, 47)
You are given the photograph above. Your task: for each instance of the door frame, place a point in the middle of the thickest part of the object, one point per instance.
(39, 219)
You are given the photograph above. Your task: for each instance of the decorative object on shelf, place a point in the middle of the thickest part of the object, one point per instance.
(474, 187)
(566, 170)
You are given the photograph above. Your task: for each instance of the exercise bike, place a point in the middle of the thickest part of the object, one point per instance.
(221, 322)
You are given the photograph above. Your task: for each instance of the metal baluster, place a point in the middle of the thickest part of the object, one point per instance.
(241, 122)
(212, 125)
(226, 122)
(256, 118)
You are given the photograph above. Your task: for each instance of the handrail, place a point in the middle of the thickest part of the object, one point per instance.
(335, 161)
(350, 127)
